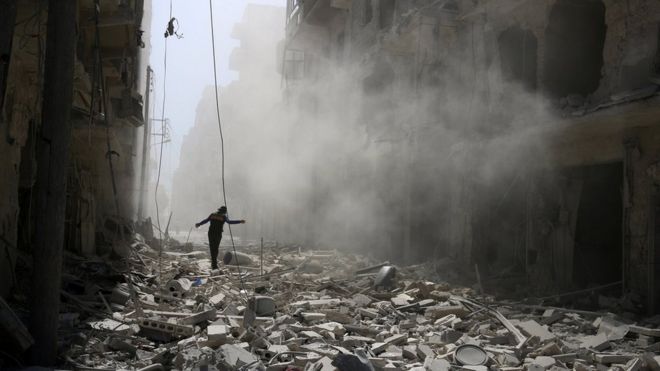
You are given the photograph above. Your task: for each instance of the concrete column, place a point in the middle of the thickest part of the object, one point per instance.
(52, 164)
(639, 245)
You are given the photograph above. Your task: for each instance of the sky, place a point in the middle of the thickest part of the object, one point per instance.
(189, 63)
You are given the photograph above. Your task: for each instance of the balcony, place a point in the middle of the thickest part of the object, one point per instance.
(320, 12)
(306, 16)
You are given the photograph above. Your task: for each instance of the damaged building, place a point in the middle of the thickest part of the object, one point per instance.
(559, 190)
(86, 142)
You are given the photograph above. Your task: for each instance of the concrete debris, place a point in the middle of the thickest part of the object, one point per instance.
(385, 276)
(532, 328)
(344, 316)
(237, 258)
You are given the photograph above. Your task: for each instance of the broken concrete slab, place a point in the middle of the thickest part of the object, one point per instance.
(217, 299)
(609, 358)
(440, 311)
(541, 363)
(597, 342)
(533, 328)
(361, 300)
(217, 333)
(652, 332)
(312, 317)
(613, 329)
(208, 315)
(424, 351)
(392, 340)
(236, 356)
(436, 364)
(238, 258)
(111, 325)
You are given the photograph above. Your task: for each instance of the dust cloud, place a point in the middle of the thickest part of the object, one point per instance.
(382, 155)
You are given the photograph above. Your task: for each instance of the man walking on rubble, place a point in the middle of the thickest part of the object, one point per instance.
(218, 220)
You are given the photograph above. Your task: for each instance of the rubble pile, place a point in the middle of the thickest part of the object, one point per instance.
(289, 309)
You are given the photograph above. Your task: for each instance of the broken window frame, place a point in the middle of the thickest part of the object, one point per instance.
(294, 64)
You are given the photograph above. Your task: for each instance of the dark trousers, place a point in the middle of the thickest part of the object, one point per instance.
(214, 245)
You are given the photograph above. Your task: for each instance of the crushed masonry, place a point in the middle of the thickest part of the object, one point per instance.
(298, 317)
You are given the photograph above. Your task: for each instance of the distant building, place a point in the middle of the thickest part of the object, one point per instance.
(244, 106)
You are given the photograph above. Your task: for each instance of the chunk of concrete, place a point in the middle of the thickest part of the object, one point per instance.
(162, 331)
(311, 334)
(533, 328)
(507, 360)
(541, 363)
(369, 313)
(634, 364)
(598, 342)
(410, 352)
(238, 258)
(392, 340)
(334, 327)
(436, 364)
(208, 315)
(566, 357)
(236, 356)
(652, 361)
(401, 299)
(424, 351)
(550, 349)
(111, 325)
(356, 341)
(311, 317)
(613, 329)
(439, 311)
(361, 300)
(217, 333)
(181, 285)
(217, 299)
(385, 277)
(609, 358)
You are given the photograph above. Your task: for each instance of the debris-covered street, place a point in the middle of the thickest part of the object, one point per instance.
(292, 308)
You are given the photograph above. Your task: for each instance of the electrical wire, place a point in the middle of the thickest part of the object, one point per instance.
(222, 143)
(160, 160)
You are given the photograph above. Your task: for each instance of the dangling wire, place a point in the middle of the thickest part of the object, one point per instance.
(222, 142)
(160, 158)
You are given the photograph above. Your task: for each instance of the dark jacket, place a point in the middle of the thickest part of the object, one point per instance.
(217, 223)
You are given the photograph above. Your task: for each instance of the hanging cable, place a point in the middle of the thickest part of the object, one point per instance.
(160, 158)
(222, 143)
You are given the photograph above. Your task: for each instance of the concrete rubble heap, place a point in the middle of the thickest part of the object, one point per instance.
(320, 310)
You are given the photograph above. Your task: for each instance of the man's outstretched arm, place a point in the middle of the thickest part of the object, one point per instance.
(229, 221)
(203, 222)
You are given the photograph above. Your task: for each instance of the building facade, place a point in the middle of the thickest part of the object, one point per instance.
(106, 121)
(521, 136)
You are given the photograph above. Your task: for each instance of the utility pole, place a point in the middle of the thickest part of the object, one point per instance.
(146, 139)
(52, 166)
